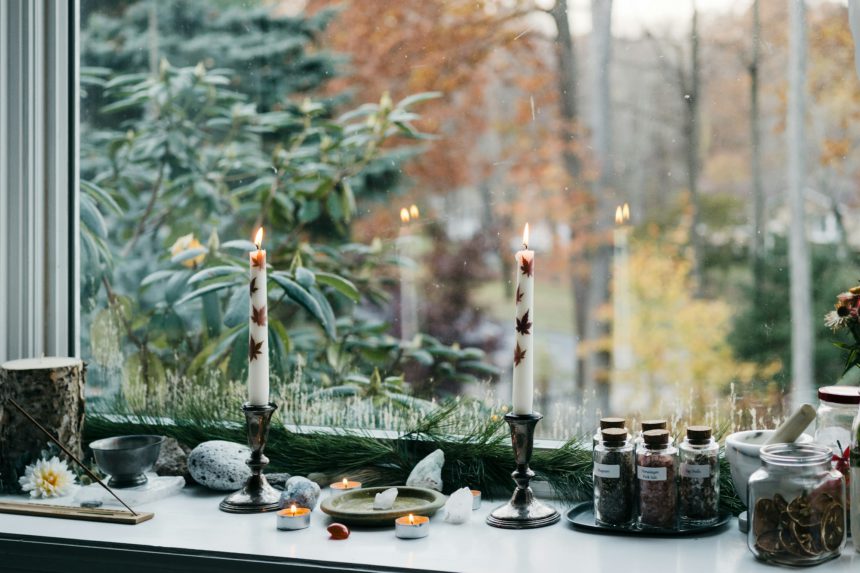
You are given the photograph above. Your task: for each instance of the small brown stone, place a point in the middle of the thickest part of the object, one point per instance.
(338, 531)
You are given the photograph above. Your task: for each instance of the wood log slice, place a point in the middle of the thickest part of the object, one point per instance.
(52, 391)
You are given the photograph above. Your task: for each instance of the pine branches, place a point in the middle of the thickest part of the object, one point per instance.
(477, 455)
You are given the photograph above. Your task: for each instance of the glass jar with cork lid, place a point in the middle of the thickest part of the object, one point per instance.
(699, 481)
(614, 479)
(656, 468)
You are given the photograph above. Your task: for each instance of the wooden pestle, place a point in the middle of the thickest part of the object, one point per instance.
(793, 426)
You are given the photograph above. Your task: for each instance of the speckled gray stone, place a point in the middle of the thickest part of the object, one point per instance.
(300, 491)
(172, 460)
(428, 472)
(219, 465)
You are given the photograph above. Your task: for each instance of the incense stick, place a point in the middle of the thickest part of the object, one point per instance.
(70, 454)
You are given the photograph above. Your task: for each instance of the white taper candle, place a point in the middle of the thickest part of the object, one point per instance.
(258, 329)
(524, 350)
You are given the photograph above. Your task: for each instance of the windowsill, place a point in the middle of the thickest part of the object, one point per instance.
(189, 533)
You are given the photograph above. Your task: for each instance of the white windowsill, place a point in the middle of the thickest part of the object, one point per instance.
(191, 524)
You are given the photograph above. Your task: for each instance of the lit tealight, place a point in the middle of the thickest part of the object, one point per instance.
(412, 526)
(294, 518)
(345, 485)
(476, 499)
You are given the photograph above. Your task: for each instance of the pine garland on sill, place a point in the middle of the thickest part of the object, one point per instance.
(480, 457)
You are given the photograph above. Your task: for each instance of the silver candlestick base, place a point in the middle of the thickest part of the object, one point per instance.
(257, 496)
(523, 511)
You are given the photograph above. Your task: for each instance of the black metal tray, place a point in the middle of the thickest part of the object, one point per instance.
(581, 517)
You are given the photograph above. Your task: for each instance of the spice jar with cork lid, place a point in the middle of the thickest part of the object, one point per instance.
(699, 482)
(656, 468)
(614, 479)
(605, 423)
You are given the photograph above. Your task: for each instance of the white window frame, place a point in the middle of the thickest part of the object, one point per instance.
(39, 276)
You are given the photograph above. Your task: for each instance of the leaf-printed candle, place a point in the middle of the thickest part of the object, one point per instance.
(258, 329)
(524, 348)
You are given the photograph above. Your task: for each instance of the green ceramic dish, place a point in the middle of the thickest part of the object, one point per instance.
(356, 507)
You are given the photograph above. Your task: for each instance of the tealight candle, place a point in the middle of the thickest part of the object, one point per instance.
(412, 526)
(345, 485)
(294, 518)
(476, 499)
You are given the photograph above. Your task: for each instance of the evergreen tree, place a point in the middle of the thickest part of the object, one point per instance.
(762, 332)
(271, 57)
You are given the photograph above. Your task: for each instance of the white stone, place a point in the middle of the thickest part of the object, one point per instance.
(458, 508)
(300, 491)
(220, 465)
(385, 499)
(428, 472)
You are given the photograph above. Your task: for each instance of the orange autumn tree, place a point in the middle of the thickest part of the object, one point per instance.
(497, 121)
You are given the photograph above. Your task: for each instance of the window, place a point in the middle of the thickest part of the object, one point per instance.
(393, 152)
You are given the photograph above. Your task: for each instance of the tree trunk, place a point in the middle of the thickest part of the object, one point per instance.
(567, 90)
(801, 299)
(691, 136)
(596, 368)
(566, 87)
(757, 250)
(52, 391)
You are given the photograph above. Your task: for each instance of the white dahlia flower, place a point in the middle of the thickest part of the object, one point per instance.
(47, 478)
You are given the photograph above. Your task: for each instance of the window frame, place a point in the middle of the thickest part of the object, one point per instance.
(39, 244)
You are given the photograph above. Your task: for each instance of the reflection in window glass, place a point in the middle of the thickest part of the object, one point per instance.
(394, 150)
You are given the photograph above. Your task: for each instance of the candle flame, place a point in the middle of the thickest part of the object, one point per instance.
(411, 519)
(345, 483)
(413, 211)
(258, 239)
(293, 509)
(622, 214)
(404, 215)
(526, 236)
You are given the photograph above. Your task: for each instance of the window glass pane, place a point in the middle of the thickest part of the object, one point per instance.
(393, 152)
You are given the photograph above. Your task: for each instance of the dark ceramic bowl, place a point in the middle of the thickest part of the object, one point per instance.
(126, 458)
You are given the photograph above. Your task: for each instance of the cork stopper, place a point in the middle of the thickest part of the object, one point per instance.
(611, 423)
(698, 434)
(656, 439)
(613, 436)
(654, 425)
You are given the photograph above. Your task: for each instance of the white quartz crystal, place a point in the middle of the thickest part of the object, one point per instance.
(156, 488)
(385, 499)
(458, 508)
(428, 472)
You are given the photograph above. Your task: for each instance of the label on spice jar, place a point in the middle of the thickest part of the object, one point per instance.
(651, 474)
(693, 471)
(607, 471)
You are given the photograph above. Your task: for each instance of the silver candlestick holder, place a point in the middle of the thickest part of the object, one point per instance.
(523, 511)
(257, 496)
